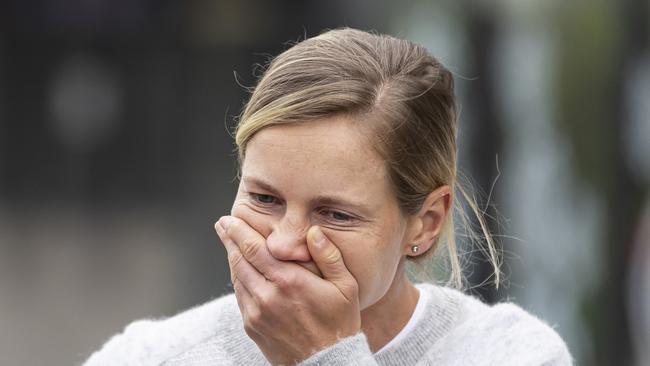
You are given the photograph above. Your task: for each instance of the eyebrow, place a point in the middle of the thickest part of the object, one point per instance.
(260, 183)
(320, 199)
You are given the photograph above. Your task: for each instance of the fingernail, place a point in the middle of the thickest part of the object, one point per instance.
(318, 236)
(225, 221)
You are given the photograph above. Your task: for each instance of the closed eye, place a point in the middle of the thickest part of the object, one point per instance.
(338, 216)
(263, 199)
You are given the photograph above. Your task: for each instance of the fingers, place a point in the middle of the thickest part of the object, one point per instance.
(329, 260)
(247, 306)
(248, 283)
(241, 271)
(251, 244)
(244, 297)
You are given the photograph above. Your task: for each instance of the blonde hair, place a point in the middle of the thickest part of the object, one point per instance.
(406, 98)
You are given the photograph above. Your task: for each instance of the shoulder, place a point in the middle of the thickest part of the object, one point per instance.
(519, 336)
(503, 334)
(153, 341)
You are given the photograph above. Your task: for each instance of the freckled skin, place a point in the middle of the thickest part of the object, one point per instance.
(325, 157)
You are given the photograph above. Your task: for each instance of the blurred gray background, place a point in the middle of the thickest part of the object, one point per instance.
(115, 159)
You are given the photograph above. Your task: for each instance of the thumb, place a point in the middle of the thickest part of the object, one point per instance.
(328, 258)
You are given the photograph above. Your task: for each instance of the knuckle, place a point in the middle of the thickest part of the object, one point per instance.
(234, 227)
(249, 248)
(235, 259)
(332, 256)
(266, 301)
(286, 280)
(254, 321)
(249, 328)
(249, 331)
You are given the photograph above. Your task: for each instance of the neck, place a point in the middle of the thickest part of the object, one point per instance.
(383, 320)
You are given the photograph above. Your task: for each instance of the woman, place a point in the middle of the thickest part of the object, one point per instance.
(347, 149)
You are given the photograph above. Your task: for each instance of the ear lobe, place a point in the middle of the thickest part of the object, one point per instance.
(432, 217)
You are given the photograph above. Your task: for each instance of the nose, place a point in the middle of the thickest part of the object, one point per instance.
(288, 241)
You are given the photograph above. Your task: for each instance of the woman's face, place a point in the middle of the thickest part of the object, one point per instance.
(324, 173)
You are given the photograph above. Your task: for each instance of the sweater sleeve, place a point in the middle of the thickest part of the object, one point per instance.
(353, 351)
(153, 341)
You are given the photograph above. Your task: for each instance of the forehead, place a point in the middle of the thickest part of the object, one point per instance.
(326, 155)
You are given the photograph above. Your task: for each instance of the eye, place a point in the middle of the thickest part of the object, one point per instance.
(338, 216)
(263, 199)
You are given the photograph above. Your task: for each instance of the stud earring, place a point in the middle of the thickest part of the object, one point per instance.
(415, 248)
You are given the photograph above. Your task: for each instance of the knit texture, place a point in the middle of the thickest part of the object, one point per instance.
(456, 329)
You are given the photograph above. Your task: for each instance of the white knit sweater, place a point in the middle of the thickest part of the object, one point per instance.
(455, 329)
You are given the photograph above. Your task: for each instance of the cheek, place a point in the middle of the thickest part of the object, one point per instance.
(261, 223)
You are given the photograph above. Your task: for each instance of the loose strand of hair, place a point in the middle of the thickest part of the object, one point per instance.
(484, 236)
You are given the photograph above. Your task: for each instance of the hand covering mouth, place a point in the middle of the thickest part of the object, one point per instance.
(311, 266)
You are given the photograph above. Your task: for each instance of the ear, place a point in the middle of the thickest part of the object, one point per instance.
(427, 223)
